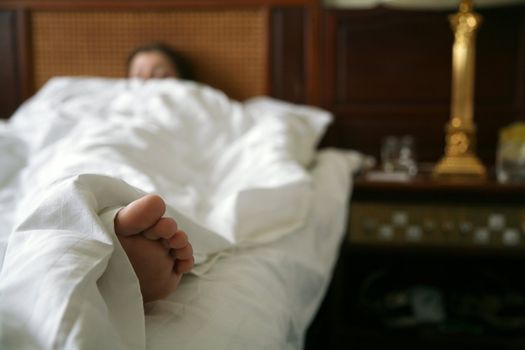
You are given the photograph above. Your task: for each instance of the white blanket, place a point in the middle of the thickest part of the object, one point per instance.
(235, 177)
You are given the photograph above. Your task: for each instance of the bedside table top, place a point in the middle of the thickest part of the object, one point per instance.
(424, 185)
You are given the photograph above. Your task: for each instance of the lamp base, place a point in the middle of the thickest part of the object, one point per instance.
(463, 166)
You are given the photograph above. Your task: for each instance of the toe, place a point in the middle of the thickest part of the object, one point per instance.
(183, 253)
(139, 215)
(164, 228)
(178, 240)
(183, 266)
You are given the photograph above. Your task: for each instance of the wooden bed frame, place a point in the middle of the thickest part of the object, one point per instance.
(381, 71)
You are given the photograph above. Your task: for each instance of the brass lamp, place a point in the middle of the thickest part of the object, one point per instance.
(460, 159)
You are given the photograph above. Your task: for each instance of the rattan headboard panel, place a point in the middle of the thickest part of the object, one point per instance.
(227, 47)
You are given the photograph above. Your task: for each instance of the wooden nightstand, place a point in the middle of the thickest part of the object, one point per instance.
(459, 247)
(424, 213)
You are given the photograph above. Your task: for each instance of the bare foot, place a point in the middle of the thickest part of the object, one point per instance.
(159, 252)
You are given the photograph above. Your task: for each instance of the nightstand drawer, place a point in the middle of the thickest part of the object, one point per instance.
(399, 223)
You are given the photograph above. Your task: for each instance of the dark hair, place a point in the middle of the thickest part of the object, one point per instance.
(179, 62)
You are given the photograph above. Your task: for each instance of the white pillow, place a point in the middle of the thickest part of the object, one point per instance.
(305, 124)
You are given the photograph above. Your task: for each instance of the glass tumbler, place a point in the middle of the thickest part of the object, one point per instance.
(389, 153)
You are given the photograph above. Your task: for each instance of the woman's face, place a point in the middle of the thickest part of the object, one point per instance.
(151, 64)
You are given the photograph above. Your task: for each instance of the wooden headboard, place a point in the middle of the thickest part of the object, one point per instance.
(227, 46)
(245, 48)
(381, 71)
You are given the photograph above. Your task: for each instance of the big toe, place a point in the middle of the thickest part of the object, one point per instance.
(139, 215)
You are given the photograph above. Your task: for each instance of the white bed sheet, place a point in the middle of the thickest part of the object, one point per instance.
(266, 296)
(264, 211)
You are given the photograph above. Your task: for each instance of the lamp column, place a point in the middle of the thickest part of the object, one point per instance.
(460, 159)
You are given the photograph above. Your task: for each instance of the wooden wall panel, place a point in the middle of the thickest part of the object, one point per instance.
(388, 72)
(288, 76)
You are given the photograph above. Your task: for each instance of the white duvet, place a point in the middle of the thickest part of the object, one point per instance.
(264, 212)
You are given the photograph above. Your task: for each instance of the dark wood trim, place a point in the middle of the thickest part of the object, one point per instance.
(288, 48)
(275, 38)
(268, 50)
(328, 70)
(520, 88)
(312, 54)
(143, 4)
(424, 186)
(25, 66)
(9, 79)
(485, 187)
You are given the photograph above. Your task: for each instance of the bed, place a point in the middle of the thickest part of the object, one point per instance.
(265, 210)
